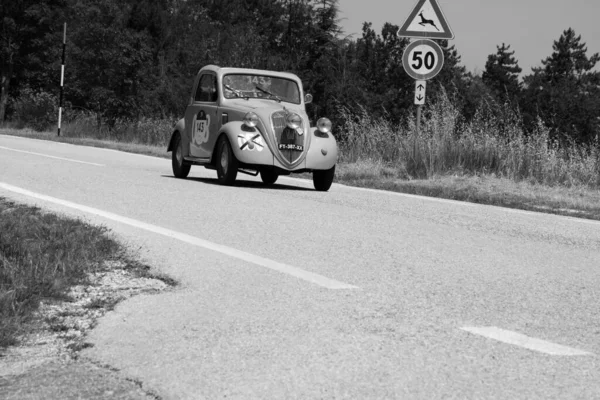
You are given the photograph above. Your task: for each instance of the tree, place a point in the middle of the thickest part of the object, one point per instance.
(565, 92)
(569, 59)
(387, 88)
(111, 62)
(26, 29)
(501, 74)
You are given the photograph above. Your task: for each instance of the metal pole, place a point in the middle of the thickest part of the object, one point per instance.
(62, 76)
(416, 138)
(418, 119)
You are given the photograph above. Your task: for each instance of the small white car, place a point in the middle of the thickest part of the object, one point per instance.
(255, 122)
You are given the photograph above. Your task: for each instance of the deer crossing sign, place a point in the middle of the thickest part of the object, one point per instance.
(426, 21)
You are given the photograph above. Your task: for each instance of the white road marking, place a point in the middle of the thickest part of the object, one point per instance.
(49, 156)
(524, 341)
(242, 255)
(122, 152)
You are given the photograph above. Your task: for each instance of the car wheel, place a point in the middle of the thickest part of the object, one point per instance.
(180, 168)
(323, 179)
(227, 164)
(269, 176)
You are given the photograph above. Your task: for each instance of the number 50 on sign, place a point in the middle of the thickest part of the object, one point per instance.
(423, 59)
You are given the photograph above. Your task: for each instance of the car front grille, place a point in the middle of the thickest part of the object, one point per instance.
(278, 120)
(287, 136)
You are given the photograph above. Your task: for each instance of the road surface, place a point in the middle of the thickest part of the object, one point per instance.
(287, 293)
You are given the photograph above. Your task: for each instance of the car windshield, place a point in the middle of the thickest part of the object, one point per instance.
(260, 86)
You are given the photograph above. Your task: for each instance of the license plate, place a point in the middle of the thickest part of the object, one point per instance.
(295, 147)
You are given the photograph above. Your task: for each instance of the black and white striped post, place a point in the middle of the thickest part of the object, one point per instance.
(62, 77)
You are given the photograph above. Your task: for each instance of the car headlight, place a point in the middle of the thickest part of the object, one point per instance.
(293, 120)
(251, 119)
(324, 125)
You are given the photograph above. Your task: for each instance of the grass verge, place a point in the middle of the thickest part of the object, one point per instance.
(574, 201)
(42, 256)
(528, 194)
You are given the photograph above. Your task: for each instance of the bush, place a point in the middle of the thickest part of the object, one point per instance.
(35, 109)
(493, 142)
(147, 131)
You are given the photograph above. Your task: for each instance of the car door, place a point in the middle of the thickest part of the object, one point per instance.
(201, 117)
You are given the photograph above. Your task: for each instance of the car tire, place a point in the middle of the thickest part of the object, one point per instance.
(269, 176)
(227, 164)
(180, 168)
(323, 179)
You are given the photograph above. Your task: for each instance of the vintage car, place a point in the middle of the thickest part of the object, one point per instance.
(254, 122)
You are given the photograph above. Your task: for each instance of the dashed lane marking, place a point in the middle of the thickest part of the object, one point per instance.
(524, 341)
(229, 251)
(49, 156)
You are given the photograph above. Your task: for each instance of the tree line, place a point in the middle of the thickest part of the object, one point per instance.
(128, 59)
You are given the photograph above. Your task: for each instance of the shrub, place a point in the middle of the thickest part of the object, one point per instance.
(36, 109)
(493, 142)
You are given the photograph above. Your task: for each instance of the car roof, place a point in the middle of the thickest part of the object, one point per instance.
(230, 70)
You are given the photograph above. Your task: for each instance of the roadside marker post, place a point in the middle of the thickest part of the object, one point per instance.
(423, 58)
(62, 76)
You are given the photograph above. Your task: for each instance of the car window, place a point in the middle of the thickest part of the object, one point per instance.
(245, 85)
(207, 88)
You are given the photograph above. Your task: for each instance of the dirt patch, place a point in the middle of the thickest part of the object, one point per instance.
(61, 326)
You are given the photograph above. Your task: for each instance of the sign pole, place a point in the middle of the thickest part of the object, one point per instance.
(418, 119)
(423, 58)
(62, 76)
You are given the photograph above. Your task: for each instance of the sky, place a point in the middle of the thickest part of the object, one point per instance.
(530, 27)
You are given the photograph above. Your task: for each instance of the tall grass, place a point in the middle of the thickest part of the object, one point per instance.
(494, 142)
(146, 131)
(41, 255)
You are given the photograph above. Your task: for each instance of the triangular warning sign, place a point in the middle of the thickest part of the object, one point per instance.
(426, 21)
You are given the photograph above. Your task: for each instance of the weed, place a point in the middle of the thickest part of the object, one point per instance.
(41, 256)
(494, 142)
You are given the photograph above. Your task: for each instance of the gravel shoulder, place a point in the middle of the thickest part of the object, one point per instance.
(46, 364)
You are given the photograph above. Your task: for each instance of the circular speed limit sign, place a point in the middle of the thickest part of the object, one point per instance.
(423, 59)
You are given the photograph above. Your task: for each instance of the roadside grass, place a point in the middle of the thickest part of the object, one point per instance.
(41, 256)
(574, 201)
(137, 148)
(490, 160)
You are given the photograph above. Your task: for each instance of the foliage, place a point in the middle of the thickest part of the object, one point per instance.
(493, 142)
(38, 110)
(128, 60)
(40, 256)
(501, 74)
(565, 92)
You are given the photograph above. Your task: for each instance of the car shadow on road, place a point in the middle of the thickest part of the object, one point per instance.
(246, 184)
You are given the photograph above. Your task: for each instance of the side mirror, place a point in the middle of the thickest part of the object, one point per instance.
(308, 98)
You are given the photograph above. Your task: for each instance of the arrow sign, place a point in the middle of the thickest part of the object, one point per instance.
(420, 87)
(426, 21)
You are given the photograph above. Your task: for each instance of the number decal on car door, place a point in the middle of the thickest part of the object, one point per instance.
(201, 125)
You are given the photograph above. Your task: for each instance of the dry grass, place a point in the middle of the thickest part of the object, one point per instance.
(150, 150)
(41, 255)
(146, 131)
(494, 142)
(576, 201)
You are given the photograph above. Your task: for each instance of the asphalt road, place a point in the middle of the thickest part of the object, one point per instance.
(290, 293)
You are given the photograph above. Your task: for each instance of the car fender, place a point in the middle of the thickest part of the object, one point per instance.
(180, 129)
(246, 150)
(323, 151)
